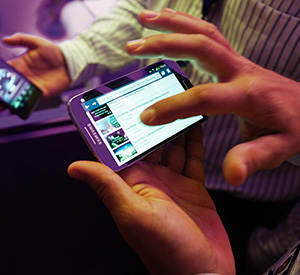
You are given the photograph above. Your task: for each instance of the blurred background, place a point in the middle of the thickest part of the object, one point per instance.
(54, 20)
(50, 223)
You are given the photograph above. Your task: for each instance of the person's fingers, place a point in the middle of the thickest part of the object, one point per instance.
(266, 152)
(187, 15)
(108, 185)
(154, 157)
(173, 154)
(194, 155)
(185, 155)
(180, 22)
(212, 99)
(207, 54)
(22, 40)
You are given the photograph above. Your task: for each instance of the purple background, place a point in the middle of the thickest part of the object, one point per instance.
(17, 16)
(50, 223)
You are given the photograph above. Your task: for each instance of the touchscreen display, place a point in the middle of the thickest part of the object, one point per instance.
(16, 91)
(13, 89)
(114, 118)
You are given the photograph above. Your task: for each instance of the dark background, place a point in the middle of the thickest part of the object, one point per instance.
(50, 223)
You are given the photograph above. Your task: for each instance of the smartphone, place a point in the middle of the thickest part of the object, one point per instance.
(16, 92)
(108, 117)
(288, 264)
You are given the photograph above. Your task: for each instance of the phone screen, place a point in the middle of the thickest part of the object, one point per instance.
(112, 120)
(17, 92)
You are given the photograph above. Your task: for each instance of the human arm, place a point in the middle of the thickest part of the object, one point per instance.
(163, 210)
(101, 48)
(266, 104)
(55, 68)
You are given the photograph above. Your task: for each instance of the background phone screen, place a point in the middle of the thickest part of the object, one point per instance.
(17, 92)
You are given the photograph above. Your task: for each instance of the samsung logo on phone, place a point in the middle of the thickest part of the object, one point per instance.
(93, 134)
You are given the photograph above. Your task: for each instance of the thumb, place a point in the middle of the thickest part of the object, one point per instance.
(108, 185)
(266, 152)
(22, 40)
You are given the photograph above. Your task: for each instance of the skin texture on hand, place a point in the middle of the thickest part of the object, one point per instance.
(266, 104)
(43, 63)
(163, 210)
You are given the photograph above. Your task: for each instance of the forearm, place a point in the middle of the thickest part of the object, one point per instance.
(102, 47)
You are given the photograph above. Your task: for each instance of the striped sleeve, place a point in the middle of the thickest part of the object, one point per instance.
(101, 48)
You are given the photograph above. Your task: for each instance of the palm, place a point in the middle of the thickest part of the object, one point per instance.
(161, 207)
(167, 189)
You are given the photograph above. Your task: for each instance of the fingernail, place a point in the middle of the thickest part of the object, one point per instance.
(148, 115)
(134, 44)
(169, 10)
(150, 14)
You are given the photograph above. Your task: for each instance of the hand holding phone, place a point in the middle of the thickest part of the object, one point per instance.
(16, 92)
(108, 117)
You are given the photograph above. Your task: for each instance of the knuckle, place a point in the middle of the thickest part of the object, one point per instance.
(212, 30)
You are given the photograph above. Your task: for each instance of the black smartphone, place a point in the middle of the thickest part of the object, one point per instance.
(16, 92)
(108, 117)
